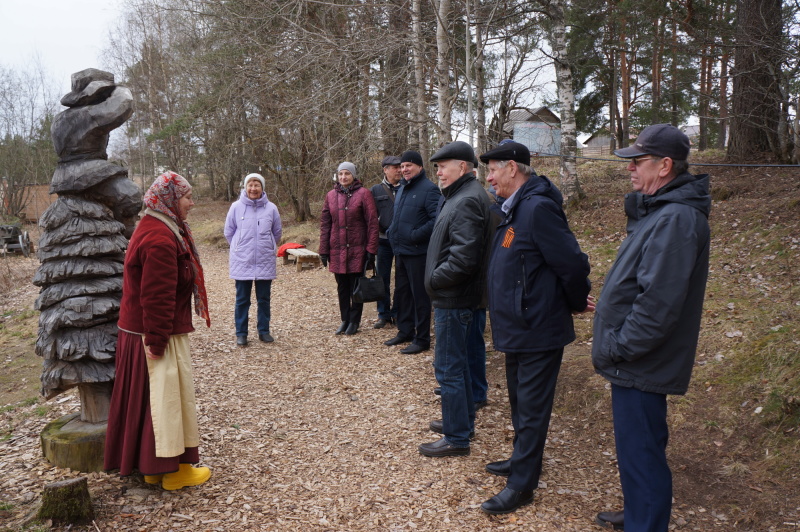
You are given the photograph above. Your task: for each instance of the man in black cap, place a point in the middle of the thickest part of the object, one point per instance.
(538, 277)
(648, 318)
(412, 224)
(384, 194)
(455, 279)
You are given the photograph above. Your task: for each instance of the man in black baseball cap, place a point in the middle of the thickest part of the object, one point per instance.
(647, 321)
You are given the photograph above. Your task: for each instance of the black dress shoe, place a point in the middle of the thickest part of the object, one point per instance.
(351, 329)
(437, 426)
(612, 520)
(266, 338)
(480, 404)
(437, 390)
(342, 328)
(413, 349)
(507, 501)
(442, 447)
(381, 323)
(397, 340)
(241, 341)
(501, 468)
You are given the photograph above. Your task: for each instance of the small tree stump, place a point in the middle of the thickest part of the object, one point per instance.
(67, 501)
(70, 442)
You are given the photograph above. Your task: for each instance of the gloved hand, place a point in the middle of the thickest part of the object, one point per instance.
(370, 261)
(325, 259)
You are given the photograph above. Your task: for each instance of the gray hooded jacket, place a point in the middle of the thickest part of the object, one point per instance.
(647, 320)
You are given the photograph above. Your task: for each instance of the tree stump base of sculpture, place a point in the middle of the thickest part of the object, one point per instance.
(78, 445)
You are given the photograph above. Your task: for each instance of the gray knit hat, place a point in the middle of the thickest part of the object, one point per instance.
(350, 167)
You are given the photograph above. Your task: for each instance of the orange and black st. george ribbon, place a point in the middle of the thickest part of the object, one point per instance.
(508, 238)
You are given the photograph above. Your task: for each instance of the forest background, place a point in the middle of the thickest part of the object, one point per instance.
(290, 88)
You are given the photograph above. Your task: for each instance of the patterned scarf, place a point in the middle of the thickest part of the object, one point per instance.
(162, 197)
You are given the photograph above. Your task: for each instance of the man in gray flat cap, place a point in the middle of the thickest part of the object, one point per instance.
(455, 280)
(648, 318)
(384, 194)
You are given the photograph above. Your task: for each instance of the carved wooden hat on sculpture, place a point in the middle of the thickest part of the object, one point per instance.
(85, 234)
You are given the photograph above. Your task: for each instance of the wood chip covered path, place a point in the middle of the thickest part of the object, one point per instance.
(320, 432)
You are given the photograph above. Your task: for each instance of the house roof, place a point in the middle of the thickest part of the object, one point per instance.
(542, 114)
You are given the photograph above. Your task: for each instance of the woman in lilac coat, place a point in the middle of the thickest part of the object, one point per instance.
(348, 240)
(253, 230)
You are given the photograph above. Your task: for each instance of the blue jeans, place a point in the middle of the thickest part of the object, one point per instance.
(476, 354)
(386, 310)
(242, 310)
(452, 372)
(641, 433)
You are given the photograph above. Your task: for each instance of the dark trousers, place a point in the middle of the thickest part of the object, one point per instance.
(386, 309)
(348, 309)
(531, 380)
(413, 303)
(641, 433)
(242, 309)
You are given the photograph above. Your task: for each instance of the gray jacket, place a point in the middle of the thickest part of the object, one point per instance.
(647, 320)
(458, 252)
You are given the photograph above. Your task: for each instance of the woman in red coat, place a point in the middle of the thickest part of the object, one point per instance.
(348, 240)
(152, 421)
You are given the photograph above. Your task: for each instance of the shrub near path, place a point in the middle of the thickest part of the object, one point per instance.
(319, 432)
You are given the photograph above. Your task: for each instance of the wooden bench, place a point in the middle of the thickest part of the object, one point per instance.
(302, 256)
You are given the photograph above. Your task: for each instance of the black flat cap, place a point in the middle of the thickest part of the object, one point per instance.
(509, 151)
(458, 150)
(390, 160)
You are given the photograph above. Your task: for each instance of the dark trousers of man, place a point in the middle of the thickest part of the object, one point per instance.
(413, 303)
(348, 309)
(451, 368)
(386, 310)
(242, 310)
(531, 380)
(641, 433)
(476, 355)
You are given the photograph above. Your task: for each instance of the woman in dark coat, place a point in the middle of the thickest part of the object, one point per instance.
(348, 240)
(152, 420)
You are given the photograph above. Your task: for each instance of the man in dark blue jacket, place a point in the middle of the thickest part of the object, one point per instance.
(538, 277)
(455, 278)
(384, 194)
(648, 318)
(412, 225)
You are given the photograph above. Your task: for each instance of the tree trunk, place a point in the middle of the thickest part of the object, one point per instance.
(419, 79)
(480, 98)
(67, 502)
(443, 71)
(570, 185)
(756, 89)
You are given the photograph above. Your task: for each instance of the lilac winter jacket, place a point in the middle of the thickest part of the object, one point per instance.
(253, 230)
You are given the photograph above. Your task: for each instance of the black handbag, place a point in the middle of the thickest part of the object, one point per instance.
(368, 289)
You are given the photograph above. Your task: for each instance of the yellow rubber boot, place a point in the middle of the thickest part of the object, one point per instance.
(186, 475)
(152, 479)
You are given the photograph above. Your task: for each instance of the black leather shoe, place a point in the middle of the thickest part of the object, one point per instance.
(442, 447)
(501, 468)
(437, 390)
(241, 341)
(266, 338)
(612, 520)
(507, 501)
(381, 323)
(351, 329)
(397, 340)
(437, 426)
(413, 349)
(342, 328)
(480, 404)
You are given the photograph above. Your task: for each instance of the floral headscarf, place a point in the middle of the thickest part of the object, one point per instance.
(162, 197)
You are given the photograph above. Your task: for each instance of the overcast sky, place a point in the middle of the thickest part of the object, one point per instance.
(66, 35)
